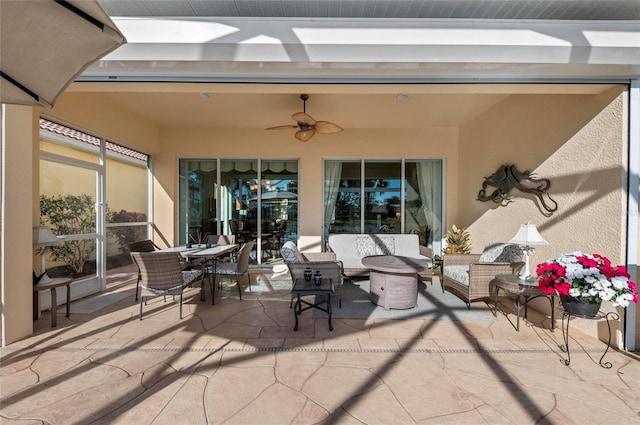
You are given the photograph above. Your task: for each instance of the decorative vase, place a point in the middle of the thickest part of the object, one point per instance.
(579, 308)
(307, 274)
(317, 278)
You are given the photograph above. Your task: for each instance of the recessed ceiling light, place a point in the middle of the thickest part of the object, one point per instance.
(206, 96)
(402, 96)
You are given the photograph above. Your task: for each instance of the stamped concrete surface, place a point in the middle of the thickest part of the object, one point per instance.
(241, 362)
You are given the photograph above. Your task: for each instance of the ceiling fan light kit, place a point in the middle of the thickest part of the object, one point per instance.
(306, 125)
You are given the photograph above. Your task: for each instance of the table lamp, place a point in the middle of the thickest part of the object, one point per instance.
(43, 237)
(527, 236)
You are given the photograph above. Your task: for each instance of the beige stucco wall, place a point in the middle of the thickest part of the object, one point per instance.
(577, 142)
(16, 236)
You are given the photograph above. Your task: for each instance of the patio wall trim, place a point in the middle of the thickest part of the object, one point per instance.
(632, 212)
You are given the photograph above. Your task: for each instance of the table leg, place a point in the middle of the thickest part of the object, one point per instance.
(329, 311)
(68, 299)
(565, 336)
(553, 312)
(518, 307)
(36, 305)
(614, 316)
(54, 308)
(297, 309)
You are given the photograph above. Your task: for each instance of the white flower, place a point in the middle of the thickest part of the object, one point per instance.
(575, 292)
(619, 282)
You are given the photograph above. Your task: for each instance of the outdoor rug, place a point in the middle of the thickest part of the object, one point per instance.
(93, 304)
(432, 305)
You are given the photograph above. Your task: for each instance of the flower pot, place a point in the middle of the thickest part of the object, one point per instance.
(579, 308)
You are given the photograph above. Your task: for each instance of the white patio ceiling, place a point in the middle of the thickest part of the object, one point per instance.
(346, 40)
(316, 46)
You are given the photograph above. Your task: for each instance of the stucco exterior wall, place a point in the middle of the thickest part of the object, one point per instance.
(577, 142)
(18, 142)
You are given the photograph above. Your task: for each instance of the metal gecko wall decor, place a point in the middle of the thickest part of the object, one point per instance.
(507, 177)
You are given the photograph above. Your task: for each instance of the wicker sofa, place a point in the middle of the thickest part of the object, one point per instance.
(469, 276)
(352, 248)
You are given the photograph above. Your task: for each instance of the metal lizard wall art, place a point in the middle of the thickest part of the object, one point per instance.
(506, 178)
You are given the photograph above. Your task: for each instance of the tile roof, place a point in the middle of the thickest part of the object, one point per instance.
(89, 139)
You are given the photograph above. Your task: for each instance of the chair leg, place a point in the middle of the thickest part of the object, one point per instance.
(137, 288)
(141, 301)
(249, 279)
(181, 304)
(239, 285)
(213, 289)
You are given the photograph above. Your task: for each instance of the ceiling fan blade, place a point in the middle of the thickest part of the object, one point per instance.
(305, 135)
(282, 127)
(326, 127)
(303, 118)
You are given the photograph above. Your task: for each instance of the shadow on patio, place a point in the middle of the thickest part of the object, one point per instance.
(241, 361)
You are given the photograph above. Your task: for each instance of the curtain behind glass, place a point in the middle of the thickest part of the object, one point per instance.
(332, 174)
(430, 187)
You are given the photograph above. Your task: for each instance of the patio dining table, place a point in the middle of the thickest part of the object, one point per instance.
(204, 255)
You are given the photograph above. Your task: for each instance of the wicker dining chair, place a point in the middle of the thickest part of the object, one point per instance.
(237, 269)
(145, 245)
(161, 273)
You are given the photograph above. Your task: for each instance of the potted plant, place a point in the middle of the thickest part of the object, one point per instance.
(583, 281)
(457, 242)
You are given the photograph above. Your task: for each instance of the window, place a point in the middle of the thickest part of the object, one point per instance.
(377, 196)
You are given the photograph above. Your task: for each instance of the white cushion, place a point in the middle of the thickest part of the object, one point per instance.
(459, 273)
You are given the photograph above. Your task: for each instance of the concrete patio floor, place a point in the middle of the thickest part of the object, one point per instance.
(241, 362)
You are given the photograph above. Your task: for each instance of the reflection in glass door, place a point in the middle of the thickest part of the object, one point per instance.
(254, 200)
(69, 193)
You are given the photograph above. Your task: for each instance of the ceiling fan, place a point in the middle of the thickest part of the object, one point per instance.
(307, 126)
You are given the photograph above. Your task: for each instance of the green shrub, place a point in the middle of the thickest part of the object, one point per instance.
(70, 215)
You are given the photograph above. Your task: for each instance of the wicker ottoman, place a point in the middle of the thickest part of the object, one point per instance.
(394, 280)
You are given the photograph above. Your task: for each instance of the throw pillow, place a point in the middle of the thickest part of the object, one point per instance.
(385, 245)
(365, 246)
(500, 252)
(290, 253)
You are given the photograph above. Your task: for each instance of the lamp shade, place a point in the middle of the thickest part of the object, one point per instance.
(43, 236)
(528, 235)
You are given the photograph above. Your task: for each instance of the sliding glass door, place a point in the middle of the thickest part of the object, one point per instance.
(253, 199)
(384, 196)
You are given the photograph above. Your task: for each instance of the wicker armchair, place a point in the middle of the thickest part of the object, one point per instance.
(161, 274)
(469, 276)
